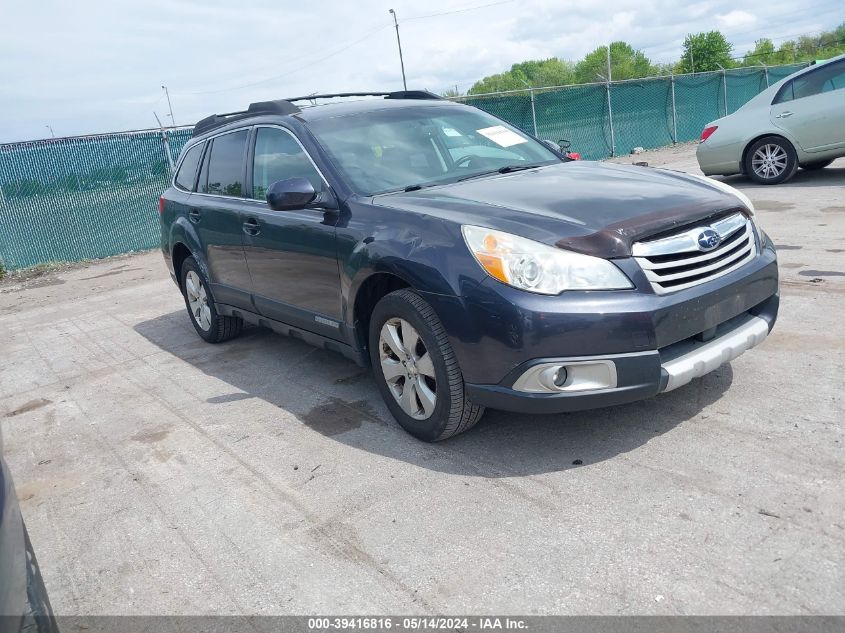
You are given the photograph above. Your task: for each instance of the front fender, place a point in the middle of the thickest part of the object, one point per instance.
(429, 256)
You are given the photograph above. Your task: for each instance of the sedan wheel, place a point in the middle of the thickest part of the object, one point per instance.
(771, 160)
(408, 369)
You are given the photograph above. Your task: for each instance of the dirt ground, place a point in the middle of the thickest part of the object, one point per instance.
(161, 475)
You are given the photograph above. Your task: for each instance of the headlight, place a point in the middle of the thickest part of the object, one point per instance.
(536, 267)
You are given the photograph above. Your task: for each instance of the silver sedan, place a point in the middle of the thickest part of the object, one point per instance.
(797, 122)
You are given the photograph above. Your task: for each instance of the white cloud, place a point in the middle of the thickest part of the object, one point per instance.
(736, 17)
(98, 66)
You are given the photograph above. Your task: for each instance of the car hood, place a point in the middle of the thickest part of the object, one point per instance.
(598, 209)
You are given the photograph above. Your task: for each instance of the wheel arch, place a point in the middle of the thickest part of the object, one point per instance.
(778, 134)
(369, 292)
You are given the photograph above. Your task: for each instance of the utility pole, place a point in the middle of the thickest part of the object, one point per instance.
(399, 42)
(52, 133)
(169, 105)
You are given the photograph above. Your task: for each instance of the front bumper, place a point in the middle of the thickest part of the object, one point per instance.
(498, 333)
(640, 375)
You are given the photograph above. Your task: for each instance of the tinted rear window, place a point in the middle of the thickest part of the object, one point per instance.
(225, 165)
(187, 175)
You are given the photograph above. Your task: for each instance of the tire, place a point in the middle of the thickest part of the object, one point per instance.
(771, 160)
(212, 327)
(817, 165)
(407, 381)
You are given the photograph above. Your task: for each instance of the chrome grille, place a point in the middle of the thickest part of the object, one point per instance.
(680, 261)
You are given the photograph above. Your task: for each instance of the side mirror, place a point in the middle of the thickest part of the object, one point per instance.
(564, 144)
(291, 193)
(551, 145)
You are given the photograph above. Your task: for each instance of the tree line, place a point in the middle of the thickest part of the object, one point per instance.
(702, 52)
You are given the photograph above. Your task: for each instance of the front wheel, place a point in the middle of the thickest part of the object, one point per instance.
(771, 160)
(416, 370)
(817, 165)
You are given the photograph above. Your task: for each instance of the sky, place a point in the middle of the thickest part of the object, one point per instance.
(90, 66)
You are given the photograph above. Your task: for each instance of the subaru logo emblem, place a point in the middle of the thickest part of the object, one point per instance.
(708, 239)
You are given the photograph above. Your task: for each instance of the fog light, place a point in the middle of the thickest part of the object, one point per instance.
(568, 375)
(552, 377)
(560, 377)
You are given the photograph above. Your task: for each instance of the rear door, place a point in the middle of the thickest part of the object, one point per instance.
(216, 210)
(811, 108)
(292, 255)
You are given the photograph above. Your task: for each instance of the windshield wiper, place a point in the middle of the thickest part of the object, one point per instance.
(501, 170)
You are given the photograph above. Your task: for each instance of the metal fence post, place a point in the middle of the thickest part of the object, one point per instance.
(533, 111)
(166, 143)
(766, 70)
(724, 85)
(674, 111)
(610, 119)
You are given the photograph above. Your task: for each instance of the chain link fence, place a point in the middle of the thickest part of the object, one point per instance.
(610, 119)
(88, 197)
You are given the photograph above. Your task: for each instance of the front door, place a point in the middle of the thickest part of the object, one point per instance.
(292, 255)
(215, 211)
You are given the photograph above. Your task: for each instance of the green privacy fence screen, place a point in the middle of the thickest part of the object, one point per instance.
(84, 197)
(94, 196)
(645, 113)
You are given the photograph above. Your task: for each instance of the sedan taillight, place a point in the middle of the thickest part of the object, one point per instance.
(161, 205)
(706, 132)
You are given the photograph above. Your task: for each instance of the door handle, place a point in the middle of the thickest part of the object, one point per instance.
(194, 215)
(251, 227)
(783, 115)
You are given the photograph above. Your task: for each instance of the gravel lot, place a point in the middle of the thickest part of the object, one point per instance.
(159, 474)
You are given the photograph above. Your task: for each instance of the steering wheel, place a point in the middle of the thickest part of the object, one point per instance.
(464, 159)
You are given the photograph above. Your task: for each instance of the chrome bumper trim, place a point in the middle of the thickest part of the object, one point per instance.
(692, 359)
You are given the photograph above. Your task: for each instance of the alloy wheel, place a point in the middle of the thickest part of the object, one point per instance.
(408, 368)
(769, 161)
(198, 300)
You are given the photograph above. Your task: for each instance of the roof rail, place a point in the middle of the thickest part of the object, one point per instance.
(209, 123)
(286, 106)
(399, 94)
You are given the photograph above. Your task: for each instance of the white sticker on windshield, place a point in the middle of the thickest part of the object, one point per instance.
(449, 131)
(502, 136)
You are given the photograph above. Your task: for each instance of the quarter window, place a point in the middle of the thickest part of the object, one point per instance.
(278, 157)
(186, 177)
(225, 165)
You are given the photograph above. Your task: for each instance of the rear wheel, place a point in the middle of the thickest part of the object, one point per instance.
(211, 326)
(817, 165)
(771, 160)
(416, 370)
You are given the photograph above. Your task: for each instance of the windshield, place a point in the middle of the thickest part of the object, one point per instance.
(398, 148)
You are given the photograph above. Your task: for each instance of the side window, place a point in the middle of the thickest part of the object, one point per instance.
(187, 175)
(225, 165)
(784, 94)
(825, 79)
(278, 156)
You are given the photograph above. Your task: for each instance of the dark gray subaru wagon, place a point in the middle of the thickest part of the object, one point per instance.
(469, 263)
